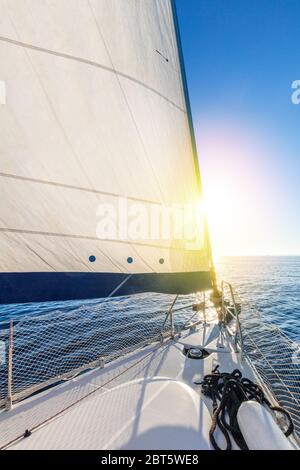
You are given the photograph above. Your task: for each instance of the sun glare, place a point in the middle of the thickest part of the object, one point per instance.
(233, 179)
(222, 207)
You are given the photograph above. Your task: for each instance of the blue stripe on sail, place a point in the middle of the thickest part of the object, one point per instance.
(47, 287)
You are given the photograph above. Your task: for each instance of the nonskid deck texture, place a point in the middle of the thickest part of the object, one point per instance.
(150, 399)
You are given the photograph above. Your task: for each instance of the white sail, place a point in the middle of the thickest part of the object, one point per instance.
(95, 111)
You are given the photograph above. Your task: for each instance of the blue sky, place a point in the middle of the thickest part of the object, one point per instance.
(241, 58)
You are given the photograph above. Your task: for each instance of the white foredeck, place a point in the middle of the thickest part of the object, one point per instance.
(150, 399)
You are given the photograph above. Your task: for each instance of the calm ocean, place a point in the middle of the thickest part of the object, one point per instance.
(272, 284)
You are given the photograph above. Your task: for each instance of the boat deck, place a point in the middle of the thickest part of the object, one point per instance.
(149, 399)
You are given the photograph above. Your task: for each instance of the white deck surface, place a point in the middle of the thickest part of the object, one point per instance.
(138, 415)
(210, 337)
(147, 400)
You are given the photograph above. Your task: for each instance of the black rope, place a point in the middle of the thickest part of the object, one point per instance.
(227, 392)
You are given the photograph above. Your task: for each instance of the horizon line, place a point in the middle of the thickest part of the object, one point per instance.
(247, 255)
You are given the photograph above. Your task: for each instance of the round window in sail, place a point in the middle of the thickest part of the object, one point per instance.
(161, 261)
(129, 260)
(92, 259)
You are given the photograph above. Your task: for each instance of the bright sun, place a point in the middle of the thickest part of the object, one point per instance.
(237, 202)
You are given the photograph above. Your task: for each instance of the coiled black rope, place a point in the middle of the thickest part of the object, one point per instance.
(227, 392)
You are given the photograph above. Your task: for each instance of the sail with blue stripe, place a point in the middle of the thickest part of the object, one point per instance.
(96, 151)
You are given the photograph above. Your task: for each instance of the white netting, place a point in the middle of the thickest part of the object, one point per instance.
(55, 347)
(62, 399)
(59, 345)
(275, 358)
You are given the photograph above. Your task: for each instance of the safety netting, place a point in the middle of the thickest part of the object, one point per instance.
(57, 359)
(46, 349)
(274, 357)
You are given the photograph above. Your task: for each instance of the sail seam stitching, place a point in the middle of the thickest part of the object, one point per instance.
(134, 121)
(86, 237)
(91, 63)
(77, 188)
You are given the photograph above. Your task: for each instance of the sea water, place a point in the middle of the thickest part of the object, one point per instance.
(51, 338)
(272, 284)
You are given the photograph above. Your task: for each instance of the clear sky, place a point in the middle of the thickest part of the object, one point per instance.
(241, 58)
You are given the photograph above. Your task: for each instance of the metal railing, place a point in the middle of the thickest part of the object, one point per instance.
(25, 371)
(169, 315)
(18, 384)
(198, 308)
(229, 307)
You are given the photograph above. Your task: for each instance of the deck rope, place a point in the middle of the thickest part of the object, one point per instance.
(228, 392)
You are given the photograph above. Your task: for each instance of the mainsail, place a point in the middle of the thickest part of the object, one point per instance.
(95, 122)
